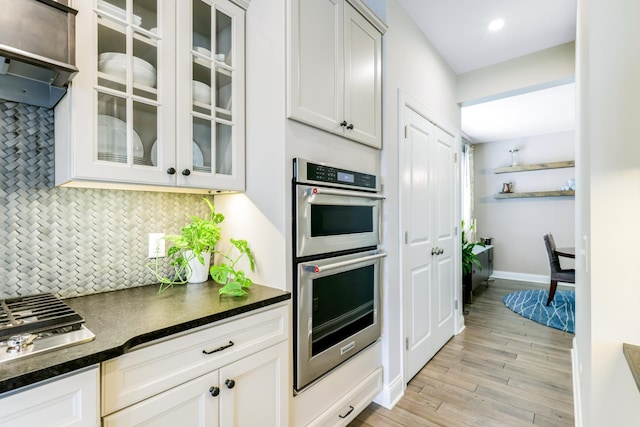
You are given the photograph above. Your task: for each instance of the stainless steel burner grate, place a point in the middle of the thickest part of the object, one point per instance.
(36, 313)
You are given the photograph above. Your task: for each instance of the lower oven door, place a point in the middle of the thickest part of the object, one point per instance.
(337, 307)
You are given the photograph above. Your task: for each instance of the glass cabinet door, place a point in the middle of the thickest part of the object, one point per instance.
(211, 94)
(126, 87)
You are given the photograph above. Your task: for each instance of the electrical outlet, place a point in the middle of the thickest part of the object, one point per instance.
(156, 245)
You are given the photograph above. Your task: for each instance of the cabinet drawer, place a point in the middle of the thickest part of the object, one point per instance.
(152, 369)
(346, 409)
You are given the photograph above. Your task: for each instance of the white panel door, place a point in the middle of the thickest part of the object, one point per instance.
(428, 259)
(316, 63)
(254, 390)
(363, 81)
(194, 403)
(443, 169)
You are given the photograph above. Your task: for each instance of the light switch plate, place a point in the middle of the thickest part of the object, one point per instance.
(156, 245)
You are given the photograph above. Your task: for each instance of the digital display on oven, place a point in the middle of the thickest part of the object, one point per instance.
(322, 173)
(346, 177)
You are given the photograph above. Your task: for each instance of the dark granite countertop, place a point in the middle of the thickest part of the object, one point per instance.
(129, 317)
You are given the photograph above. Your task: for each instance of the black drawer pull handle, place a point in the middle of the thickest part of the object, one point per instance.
(214, 391)
(230, 383)
(218, 349)
(351, 408)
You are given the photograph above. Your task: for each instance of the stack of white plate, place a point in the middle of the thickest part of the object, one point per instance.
(115, 64)
(117, 12)
(112, 141)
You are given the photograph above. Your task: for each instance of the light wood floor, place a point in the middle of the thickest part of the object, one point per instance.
(502, 370)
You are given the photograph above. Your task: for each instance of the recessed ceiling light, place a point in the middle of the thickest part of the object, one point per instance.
(496, 24)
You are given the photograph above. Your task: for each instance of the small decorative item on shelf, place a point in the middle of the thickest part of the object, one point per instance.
(507, 187)
(514, 156)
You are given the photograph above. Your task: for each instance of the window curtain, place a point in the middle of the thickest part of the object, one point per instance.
(468, 214)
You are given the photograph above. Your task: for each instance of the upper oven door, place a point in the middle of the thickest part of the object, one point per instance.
(331, 220)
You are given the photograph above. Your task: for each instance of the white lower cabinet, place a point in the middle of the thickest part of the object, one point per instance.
(68, 401)
(234, 374)
(249, 392)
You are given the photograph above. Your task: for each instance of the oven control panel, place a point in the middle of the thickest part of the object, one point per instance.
(309, 172)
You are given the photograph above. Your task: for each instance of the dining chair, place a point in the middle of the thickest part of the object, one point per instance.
(557, 273)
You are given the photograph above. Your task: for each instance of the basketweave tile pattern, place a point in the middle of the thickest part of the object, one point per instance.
(71, 241)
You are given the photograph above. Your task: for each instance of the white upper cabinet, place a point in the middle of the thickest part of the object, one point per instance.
(159, 99)
(335, 68)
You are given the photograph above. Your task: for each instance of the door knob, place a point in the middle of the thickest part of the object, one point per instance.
(171, 171)
(186, 172)
(214, 391)
(350, 126)
(440, 251)
(434, 251)
(230, 383)
(343, 123)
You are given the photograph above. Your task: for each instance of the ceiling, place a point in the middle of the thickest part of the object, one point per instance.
(458, 29)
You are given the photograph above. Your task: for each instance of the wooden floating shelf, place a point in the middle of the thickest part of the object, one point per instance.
(535, 194)
(537, 166)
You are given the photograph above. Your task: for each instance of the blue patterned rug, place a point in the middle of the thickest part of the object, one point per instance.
(560, 314)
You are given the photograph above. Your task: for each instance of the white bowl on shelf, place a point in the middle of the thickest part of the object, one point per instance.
(115, 64)
(201, 92)
(117, 12)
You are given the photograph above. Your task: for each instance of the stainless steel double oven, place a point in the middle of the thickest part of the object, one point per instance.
(337, 263)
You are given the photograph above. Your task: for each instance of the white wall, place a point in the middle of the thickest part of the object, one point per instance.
(517, 225)
(607, 293)
(539, 70)
(411, 65)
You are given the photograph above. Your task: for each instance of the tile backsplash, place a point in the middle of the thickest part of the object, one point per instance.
(70, 241)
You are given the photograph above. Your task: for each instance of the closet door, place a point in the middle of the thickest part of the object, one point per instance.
(428, 254)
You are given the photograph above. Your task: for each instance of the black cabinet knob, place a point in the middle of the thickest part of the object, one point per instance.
(171, 171)
(350, 126)
(230, 383)
(343, 123)
(186, 172)
(214, 391)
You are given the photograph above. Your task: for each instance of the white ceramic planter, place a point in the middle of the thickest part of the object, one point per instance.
(198, 272)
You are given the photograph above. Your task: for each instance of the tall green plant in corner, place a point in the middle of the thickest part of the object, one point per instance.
(468, 257)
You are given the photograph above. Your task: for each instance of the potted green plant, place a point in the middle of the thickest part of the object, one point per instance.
(191, 250)
(235, 281)
(190, 256)
(468, 257)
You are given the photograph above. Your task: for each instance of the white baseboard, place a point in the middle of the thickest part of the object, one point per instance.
(522, 277)
(577, 399)
(391, 393)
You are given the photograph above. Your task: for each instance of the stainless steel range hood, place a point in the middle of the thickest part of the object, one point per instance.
(37, 50)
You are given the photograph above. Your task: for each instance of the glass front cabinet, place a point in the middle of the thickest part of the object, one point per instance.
(159, 99)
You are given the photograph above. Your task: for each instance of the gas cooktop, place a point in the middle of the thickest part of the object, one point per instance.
(38, 323)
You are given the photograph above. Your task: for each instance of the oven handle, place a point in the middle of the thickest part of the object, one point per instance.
(334, 192)
(335, 265)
